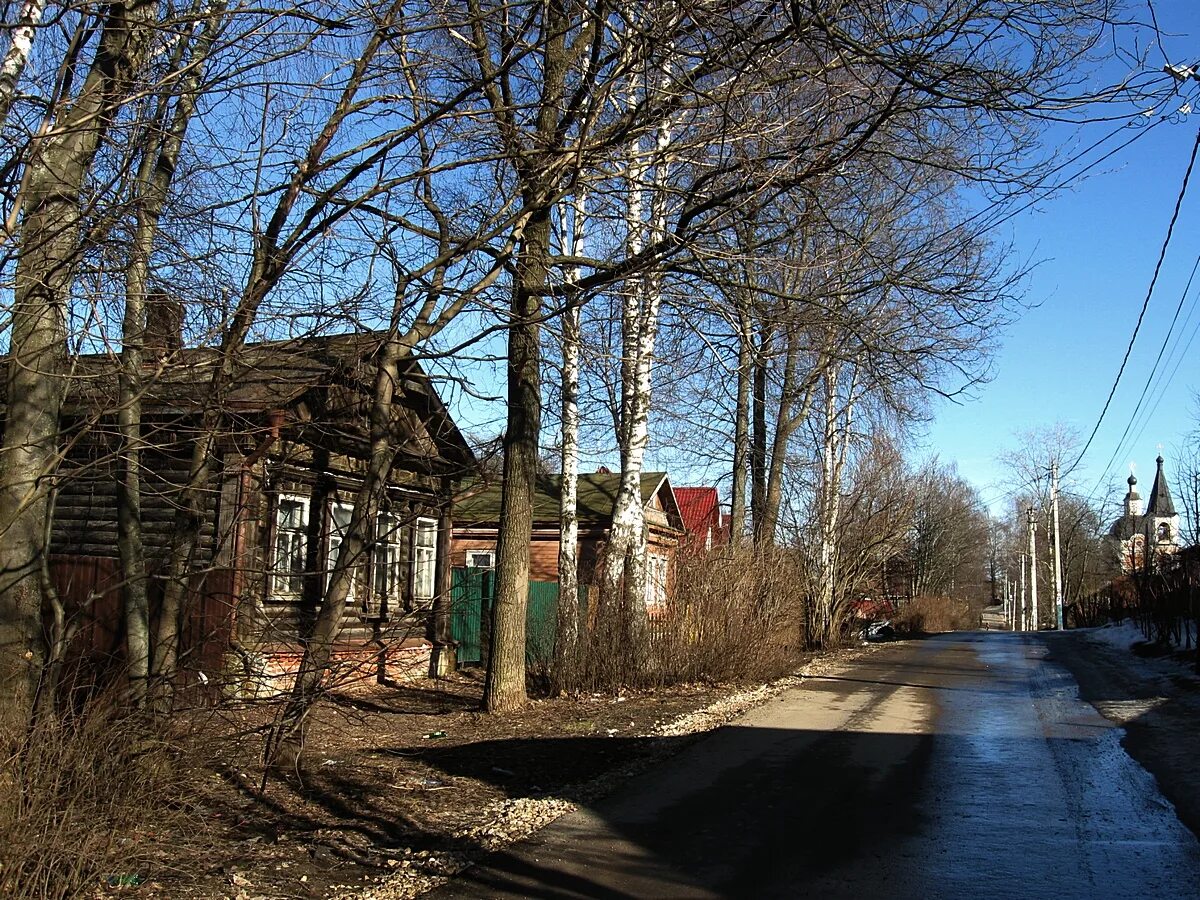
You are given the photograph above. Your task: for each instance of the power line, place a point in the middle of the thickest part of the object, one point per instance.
(1135, 416)
(1145, 303)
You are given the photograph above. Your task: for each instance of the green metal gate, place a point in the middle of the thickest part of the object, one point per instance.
(541, 623)
(471, 597)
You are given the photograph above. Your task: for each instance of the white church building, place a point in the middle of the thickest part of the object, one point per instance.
(1157, 526)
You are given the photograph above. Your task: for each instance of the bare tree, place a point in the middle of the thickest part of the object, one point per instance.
(161, 150)
(48, 256)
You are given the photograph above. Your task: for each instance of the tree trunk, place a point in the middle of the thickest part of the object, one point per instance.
(626, 541)
(19, 47)
(785, 423)
(164, 141)
(830, 514)
(287, 740)
(504, 688)
(758, 441)
(46, 265)
(564, 676)
(741, 432)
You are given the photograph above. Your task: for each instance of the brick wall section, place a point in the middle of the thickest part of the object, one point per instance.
(274, 668)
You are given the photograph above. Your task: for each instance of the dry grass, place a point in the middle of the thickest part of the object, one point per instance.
(734, 616)
(82, 799)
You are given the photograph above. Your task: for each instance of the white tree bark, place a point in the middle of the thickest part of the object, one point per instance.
(835, 442)
(19, 47)
(566, 648)
(625, 550)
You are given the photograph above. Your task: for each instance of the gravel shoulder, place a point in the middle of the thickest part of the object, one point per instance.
(1154, 697)
(405, 785)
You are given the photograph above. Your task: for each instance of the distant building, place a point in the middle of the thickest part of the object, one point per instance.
(704, 523)
(1158, 525)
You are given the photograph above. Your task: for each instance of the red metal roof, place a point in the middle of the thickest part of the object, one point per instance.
(700, 508)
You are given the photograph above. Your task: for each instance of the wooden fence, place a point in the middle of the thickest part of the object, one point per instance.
(89, 589)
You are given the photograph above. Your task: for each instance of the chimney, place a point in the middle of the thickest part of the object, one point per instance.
(164, 325)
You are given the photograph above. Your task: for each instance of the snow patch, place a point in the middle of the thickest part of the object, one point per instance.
(1122, 635)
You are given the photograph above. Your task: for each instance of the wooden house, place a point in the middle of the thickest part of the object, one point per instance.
(291, 445)
(477, 516)
(476, 529)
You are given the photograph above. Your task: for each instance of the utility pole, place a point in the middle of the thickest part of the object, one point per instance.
(1058, 598)
(1032, 568)
(1019, 621)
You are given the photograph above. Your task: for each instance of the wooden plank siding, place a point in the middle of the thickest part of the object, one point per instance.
(294, 419)
(86, 500)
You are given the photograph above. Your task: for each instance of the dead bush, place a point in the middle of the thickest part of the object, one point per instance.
(84, 799)
(734, 615)
(931, 615)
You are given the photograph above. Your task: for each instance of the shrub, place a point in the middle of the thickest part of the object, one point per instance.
(930, 615)
(734, 615)
(82, 798)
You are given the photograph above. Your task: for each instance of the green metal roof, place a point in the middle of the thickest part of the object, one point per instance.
(478, 503)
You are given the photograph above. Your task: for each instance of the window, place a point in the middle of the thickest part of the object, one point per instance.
(424, 559)
(388, 564)
(339, 527)
(656, 581)
(291, 545)
(1164, 532)
(481, 559)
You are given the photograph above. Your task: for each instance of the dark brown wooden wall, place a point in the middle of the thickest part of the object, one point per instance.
(90, 591)
(85, 514)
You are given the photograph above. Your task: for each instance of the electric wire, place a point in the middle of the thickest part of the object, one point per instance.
(1138, 408)
(1164, 380)
(1145, 304)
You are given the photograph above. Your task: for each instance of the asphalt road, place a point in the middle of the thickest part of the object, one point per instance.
(961, 766)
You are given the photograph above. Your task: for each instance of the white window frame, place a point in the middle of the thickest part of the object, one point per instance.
(386, 572)
(424, 559)
(474, 558)
(333, 542)
(656, 581)
(281, 579)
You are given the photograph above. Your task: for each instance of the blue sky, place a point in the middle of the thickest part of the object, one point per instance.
(1094, 247)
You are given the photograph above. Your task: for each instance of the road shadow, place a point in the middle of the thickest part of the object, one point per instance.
(772, 800)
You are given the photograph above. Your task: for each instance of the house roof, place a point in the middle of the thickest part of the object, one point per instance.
(479, 502)
(1160, 505)
(1127, 526)
(700, 508)
(326, 381)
